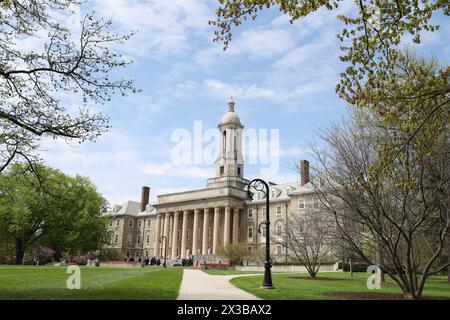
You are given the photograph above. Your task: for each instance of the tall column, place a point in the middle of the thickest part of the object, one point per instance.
(166, 233)
(226, 229)
(175, 234)
(205, 231)
(184, 234)
(235, 225)
(157, 235)
(216, 229)
(170, 235)
(195, 232)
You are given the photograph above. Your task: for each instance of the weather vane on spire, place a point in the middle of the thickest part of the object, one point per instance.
(231, 105)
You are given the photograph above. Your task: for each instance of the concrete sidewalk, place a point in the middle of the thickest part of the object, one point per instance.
(198, 285)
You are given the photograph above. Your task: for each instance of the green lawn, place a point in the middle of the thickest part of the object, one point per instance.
(302, 289)
(49, 283)
(228, 272)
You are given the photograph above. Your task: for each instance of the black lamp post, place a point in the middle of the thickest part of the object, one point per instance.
(261, 185)
(165, 249)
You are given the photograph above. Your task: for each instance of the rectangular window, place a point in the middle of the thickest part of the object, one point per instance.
(250, 213)
(264, 231)
(130, 223)
(264, 212)
(139, 224)
(222, 170)
(148, 238)
(148, 223)
(279, 210)
(250, 232)
(130, 239)
(116, 238)
(279, 249)
(118, 222)
(138, 239)
(279, 230)
(301, 204)
(316, 202)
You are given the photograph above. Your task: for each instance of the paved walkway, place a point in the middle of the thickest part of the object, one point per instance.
(198, 285)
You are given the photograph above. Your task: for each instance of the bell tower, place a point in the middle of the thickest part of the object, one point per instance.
(229, 161)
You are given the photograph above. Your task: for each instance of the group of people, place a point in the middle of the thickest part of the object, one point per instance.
(147, 261)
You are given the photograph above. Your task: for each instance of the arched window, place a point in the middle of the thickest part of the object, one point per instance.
(224, 146)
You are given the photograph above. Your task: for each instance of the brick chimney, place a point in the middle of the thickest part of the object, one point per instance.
(145, 195)
(304, 172)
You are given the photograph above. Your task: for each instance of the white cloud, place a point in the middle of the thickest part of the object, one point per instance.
(224, 90)
(263, 42)
(165, 28)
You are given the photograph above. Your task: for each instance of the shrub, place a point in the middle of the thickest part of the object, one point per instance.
(356, 266)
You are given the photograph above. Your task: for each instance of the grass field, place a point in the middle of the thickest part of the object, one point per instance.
(289, 288)
(48, 283)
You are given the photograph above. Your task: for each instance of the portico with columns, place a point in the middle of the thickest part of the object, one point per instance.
(198, 231)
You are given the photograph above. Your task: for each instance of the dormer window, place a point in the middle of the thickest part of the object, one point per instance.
(273, 194)
(288, 191)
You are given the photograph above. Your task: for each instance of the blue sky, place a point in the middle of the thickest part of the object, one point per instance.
(281, 76)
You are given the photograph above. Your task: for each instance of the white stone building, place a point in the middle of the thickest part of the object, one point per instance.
(195, 223)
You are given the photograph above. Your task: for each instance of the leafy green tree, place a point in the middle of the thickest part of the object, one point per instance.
(83, 226)
(50, 209)
(233, 252)
(69, 63)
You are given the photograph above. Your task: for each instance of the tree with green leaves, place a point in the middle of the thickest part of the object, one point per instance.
(67, 62)
(50, 209)
(82, 226)
(233, 252)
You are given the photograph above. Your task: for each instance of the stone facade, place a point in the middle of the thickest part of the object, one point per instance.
(195, 223)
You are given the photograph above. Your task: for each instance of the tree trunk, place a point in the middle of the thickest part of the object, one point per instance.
(380, 262)
(351, 268)
(20, 252)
